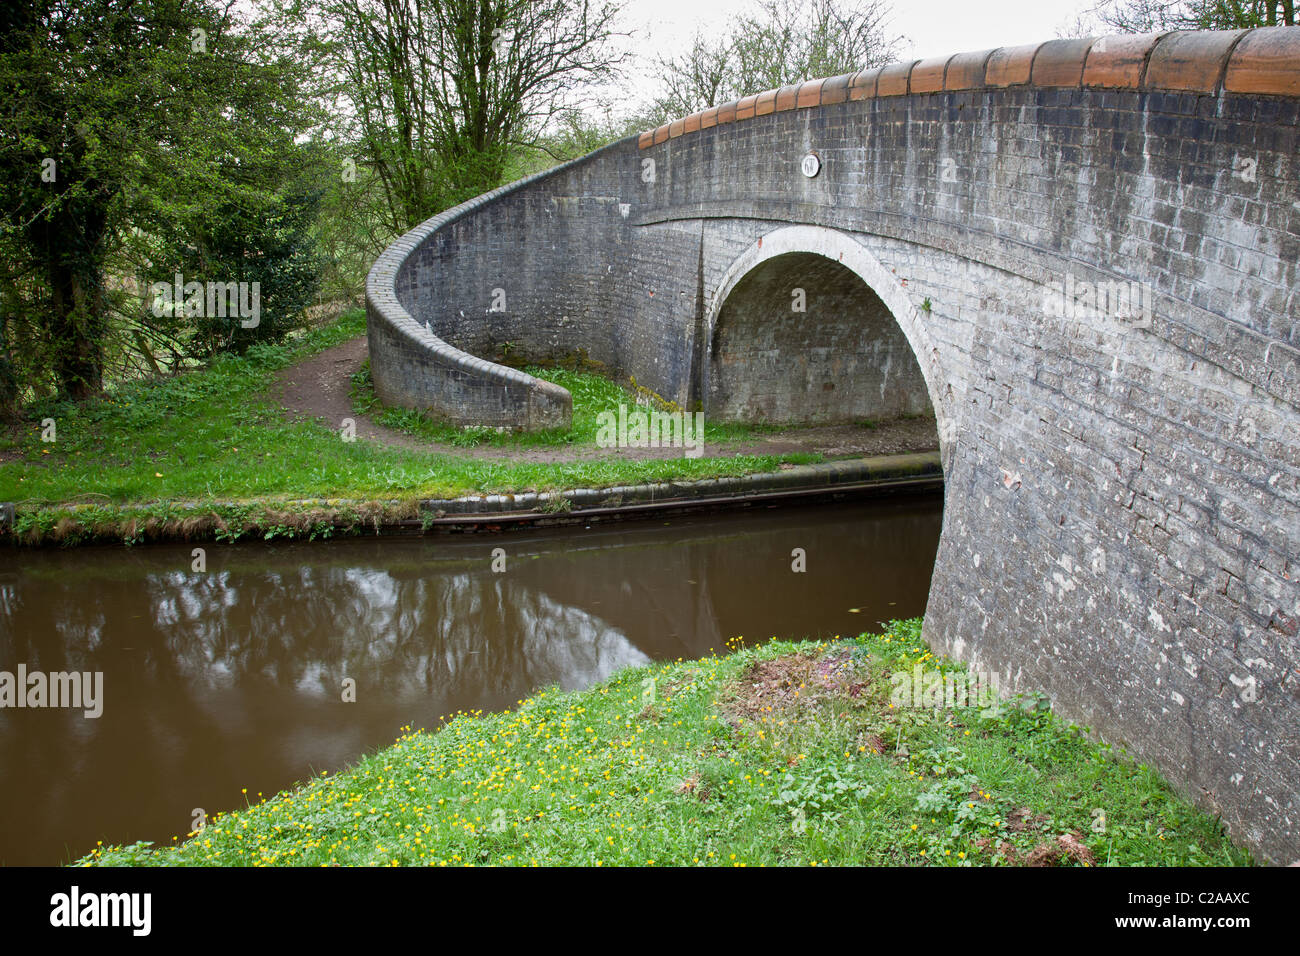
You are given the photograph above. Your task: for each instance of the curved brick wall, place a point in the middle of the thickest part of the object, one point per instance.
(1122, 512)
(413, 363)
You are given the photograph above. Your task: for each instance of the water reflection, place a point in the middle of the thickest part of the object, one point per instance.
(233, 678)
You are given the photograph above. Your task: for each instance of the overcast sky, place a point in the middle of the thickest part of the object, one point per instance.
(932, 28)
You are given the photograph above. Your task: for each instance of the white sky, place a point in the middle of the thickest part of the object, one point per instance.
(932, 27)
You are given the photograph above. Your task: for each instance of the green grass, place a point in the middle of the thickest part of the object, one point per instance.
(592, 394)
(748, 759)
(215, 435)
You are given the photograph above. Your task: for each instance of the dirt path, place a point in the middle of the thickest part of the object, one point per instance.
(318, 388)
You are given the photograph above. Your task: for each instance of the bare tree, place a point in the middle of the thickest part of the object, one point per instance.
(443, 90)
(1147, 16)
(784, 41)
(776, 43)
(702, 77)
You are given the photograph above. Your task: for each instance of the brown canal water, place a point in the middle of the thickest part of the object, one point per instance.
(232, 678)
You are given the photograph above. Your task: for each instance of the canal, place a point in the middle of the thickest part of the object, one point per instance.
(282, 660)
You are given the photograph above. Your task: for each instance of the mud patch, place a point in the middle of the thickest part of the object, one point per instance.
(1004, 850)
(692, 786)
(1066, 850)
(1024, 819)
(797, 683)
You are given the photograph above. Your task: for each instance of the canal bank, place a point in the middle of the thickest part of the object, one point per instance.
(286, 442)
(314, 518)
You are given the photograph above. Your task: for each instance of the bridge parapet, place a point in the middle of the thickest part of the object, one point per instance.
(412, 366)
(1262, 61)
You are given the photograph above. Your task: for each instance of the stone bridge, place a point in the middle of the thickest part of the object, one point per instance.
(1080, 256)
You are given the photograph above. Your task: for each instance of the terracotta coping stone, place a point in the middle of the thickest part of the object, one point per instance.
(1267, 60)
(893, 79)
(927, 76)
(836, 89)
(1010, 66)
(966, 71)
(810, 94)
(1190, 61)
(1119, 61)
(1060, 62)
(863, 84)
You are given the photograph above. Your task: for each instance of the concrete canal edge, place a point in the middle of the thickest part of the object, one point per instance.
(912, 472)
(829, 481)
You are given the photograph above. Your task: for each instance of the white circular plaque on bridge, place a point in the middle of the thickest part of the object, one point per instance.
(811, 165)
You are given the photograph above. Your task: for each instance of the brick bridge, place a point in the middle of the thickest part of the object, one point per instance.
(1081, 256)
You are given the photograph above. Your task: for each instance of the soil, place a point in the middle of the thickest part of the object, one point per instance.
(319, 388)
(1065, 850)
(795, 682)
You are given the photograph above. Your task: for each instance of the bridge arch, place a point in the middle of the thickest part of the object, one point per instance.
(803, 246)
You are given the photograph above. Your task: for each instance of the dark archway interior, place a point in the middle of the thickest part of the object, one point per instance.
(843, 358)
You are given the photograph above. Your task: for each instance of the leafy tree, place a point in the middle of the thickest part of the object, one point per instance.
(126, 125)
(785, 41)
(573, 135)
(265, 252)
(351, 229)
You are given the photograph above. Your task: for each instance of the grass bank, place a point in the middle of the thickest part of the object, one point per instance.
(592, 393)
(211, 453)
(783, 754)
